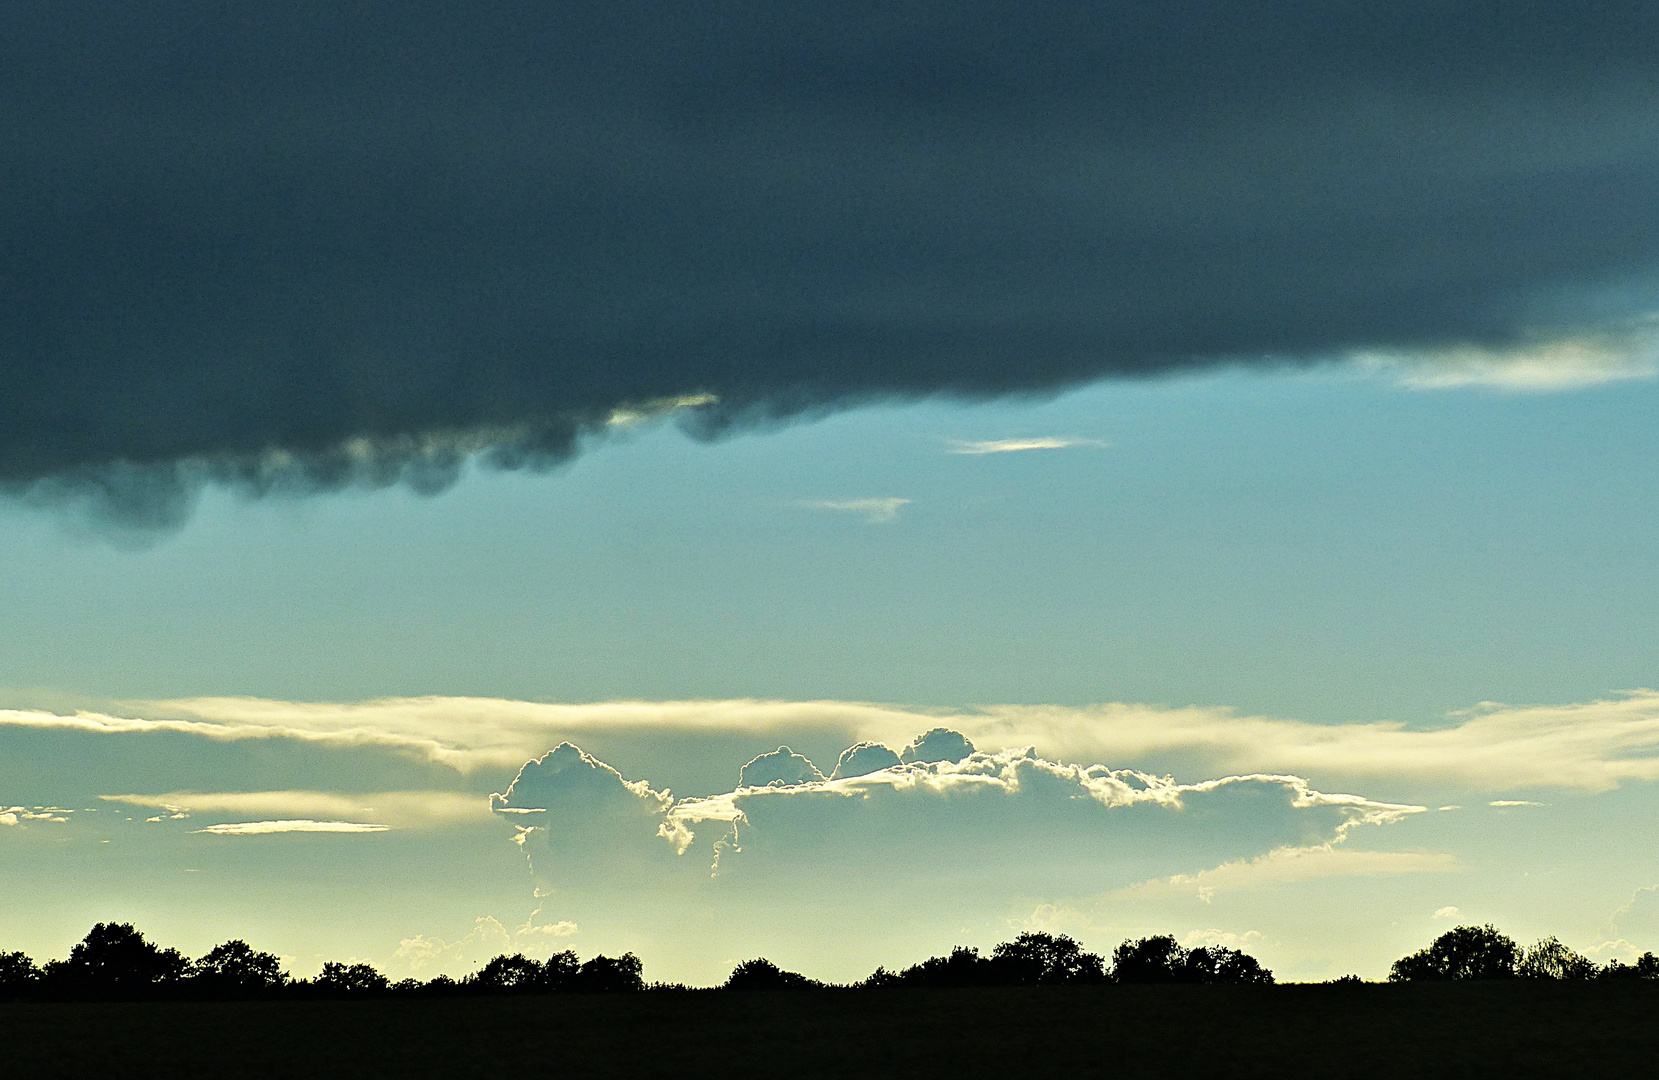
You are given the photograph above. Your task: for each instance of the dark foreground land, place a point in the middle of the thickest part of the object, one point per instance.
(1424, 1030)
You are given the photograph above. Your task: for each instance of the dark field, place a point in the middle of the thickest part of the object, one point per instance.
(1491, 1029)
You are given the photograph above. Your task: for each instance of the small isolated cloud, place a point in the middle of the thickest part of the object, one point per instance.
(874, 511)
(1568, 364)
(1194, 939)
(17, 815)
(301, 825)
(1501, 803)
(1447, 912)
(562, 929)
(1640, 916)
(1014, 446)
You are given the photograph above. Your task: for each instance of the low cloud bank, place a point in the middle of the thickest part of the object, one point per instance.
(965, 836)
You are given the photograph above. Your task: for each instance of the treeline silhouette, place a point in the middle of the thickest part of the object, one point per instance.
(1483, 952)
(115, 962)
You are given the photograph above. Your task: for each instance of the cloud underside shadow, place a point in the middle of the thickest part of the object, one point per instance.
(255, 255)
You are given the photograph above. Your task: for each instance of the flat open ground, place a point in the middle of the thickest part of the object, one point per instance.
(1467, 1030)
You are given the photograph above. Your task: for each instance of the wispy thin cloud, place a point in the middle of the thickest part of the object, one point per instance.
(1293, 864)
(1500, 803)
(1014, 446)
(874, 511)
(402, 808)
(303, 825)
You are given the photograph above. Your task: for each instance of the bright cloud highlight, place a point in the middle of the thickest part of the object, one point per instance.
(264, 828)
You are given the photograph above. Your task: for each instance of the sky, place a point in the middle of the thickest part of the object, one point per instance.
(445, 459)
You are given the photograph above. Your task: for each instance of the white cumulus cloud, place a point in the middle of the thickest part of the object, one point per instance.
(847, 862)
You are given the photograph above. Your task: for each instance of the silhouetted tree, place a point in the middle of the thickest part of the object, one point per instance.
(1046, 959)
(235, 969)
(559, 973)
(350, 979)
(1161, 959)
(114, 961)
(18, 975)
(609, 974)
(1645, 967)
(1466, 952)
(762, 974)
(1549, 959)
(1155, 959)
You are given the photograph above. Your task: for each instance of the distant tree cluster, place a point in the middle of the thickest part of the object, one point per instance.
(1483, 952)
(116, 962)
(1038, 959)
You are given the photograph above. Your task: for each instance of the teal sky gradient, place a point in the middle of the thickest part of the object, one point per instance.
(1326, 547)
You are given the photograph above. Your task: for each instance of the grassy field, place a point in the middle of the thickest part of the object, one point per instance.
(1467, 1030)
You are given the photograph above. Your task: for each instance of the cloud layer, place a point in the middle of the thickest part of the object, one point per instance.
(1589, 746)
(329, 245)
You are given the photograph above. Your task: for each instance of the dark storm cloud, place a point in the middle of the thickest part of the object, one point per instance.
(303, 246)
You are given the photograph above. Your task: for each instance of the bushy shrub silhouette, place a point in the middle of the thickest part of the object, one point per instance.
(609, 975)
(762, 974)
(18, 975)
(1045, 959)
(350, 979)
(1466, 952)
(963, 967)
